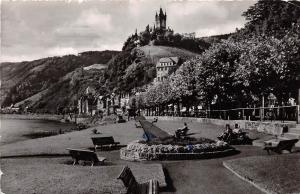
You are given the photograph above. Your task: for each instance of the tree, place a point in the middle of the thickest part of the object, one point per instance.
(270, 65)
(271, 18)
(184, 83)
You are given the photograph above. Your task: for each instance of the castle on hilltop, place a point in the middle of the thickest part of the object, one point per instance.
(161, 20)
(159, 32)
(160, 28)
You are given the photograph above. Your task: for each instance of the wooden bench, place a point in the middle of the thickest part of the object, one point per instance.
(104, 141)
(133, 187)
(85, 155)
(282, 145)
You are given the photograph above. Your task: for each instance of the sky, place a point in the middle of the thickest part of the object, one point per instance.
(36, 29)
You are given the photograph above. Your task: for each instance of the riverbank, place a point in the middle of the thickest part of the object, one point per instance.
(14, 130)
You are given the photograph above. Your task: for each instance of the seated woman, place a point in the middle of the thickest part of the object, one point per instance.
(237, 129)
(227, 135)
(182, 131)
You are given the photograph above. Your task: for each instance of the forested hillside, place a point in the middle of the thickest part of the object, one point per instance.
(24, 79)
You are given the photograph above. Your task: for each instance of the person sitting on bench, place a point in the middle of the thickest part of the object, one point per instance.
(181, 132)
(237, 130)
(227, 135)
(155, 120)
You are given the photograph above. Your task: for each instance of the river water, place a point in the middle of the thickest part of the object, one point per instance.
(13, 130)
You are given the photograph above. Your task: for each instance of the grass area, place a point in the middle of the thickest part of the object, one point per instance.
(274, 174)
(157, 52)
(57, 175)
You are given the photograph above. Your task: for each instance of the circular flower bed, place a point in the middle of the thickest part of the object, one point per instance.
(140, 150)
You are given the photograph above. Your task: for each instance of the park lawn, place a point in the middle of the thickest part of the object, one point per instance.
(274, 174)
(58, 175)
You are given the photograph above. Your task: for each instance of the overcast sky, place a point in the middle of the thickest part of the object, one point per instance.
(36, 29)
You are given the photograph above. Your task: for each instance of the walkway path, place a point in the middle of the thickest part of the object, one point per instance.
(209, 176)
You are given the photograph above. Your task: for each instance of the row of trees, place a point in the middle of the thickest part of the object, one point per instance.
(231, 74)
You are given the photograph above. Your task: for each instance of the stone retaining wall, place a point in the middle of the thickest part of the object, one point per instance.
(274, 128)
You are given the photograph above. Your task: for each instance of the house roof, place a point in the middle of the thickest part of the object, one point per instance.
(169, 59)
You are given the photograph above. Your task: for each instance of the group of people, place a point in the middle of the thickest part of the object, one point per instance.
(229, 135)
(234, 135)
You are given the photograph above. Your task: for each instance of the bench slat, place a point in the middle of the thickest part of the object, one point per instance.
(104, 141)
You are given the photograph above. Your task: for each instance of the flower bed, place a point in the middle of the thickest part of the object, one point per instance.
(139, 150)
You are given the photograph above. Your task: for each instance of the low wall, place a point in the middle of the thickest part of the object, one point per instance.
(32, 117)
(274, 128)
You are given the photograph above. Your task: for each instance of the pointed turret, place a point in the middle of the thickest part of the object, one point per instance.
(161, 13)
(135, 32)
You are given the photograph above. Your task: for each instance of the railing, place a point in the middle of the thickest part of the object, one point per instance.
(280, 113)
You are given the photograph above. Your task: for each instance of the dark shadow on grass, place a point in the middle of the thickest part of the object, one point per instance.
(36, 135)
(170, 186)
(86, 163)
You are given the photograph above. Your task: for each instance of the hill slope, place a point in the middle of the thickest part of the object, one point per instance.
(25, 79)
(48, 84)
(157, 52)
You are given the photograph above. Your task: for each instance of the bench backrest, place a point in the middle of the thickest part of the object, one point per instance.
(286, 144)
(83, 155)
(129, 180)
(103, 140)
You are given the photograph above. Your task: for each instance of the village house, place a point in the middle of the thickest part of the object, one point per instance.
(191, 35)
(90, 102)
(164, 67)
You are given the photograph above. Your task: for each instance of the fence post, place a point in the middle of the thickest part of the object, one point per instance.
(243, 114)
(297, 114)
(262, 114)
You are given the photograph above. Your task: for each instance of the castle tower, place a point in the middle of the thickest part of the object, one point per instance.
(161, 20)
